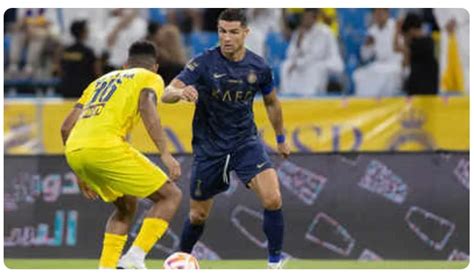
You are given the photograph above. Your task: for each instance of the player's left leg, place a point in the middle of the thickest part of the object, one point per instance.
(193, 227)
(116, 231)
(166, 201)
(266, 186)
(254, 168)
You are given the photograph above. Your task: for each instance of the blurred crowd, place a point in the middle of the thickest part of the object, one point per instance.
(313, 52)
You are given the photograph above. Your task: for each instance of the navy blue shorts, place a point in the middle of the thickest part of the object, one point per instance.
(211, 176)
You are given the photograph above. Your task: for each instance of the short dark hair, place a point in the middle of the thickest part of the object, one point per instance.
(411, 21)
(142, 48)
(78, 28)
(152, 28)
(233, 15)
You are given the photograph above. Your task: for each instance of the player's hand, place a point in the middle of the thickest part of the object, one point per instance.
(87, 192)
(174, 168)
(189, 93)
(284, 149)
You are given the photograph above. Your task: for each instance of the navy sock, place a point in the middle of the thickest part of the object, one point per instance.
(190, 235)
(273, 226)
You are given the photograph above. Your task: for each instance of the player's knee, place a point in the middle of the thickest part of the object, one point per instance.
(197, 217)
(126, 210)
(176, 195)
(170, 193)
(272, 202)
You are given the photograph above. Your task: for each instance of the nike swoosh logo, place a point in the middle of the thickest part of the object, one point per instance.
(261, 165)
(218, 75)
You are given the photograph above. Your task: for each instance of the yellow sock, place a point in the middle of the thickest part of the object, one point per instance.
(111, 250)
(152, 230)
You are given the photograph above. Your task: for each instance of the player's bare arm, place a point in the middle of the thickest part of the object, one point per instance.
(275, 115)
(177, 91)
(70, 121)
(151, 120)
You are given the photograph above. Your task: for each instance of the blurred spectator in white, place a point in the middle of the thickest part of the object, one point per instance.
(171, 52)
(312, 56)
(382, 73)
(261, 22)
(123, 28)
(97, 21)
(419, 58)
(454, 49)
(33, 29)
(78, 65)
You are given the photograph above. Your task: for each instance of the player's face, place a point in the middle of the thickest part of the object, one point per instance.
(231, 36)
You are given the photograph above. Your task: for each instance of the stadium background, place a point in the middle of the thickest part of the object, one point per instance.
(371, 179)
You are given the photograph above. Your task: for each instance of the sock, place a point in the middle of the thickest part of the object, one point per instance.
(111, 250)
(151, 231)
(273, 226)
(190, 235)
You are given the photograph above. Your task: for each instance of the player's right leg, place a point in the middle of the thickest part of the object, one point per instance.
(209, 177)
(194, 224)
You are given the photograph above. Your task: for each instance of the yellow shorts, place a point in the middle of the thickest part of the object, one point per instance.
(116, 171)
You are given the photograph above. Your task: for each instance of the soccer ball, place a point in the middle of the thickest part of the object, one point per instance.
(181, 260)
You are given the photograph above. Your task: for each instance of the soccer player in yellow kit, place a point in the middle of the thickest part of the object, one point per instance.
(106, 165)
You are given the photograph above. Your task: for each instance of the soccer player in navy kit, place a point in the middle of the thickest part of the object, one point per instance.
(223, 82)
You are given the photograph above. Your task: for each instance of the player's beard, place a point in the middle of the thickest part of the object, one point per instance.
(236, 49)
(229, 49)
(232, 49)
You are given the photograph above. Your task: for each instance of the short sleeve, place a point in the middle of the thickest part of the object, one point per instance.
(86, 94)
(158, 86)
(154, 82)
(191, 72)
(266, 84)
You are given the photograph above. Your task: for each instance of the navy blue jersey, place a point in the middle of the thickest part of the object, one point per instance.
(223, 118)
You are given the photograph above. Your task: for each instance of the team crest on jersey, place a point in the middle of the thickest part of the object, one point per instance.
(192, 65)
(252, 77)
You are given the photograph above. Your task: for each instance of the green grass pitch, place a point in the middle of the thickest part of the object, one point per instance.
(244, 264)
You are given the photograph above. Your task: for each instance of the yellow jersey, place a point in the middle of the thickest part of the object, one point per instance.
(110, 108)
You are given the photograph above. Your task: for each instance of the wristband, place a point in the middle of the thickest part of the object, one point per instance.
(280, 139)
